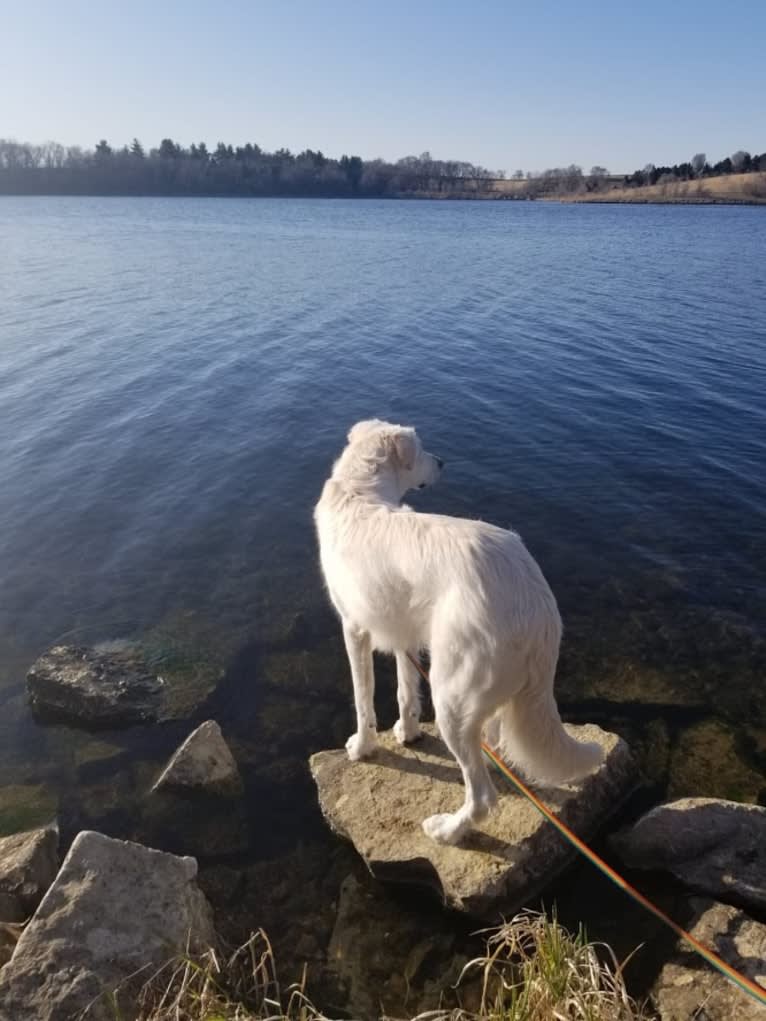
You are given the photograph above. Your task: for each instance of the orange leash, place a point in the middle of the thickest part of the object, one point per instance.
(752, 988)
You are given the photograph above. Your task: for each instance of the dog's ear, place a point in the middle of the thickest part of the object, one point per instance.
(356, 432)
(405, 448)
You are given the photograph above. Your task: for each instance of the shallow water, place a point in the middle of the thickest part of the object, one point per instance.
(176, 377)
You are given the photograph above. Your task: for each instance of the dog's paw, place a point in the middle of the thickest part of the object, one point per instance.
(406, 731)
(446, 828)
(360, 746)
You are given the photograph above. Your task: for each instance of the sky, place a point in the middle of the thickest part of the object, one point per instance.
(508, 85)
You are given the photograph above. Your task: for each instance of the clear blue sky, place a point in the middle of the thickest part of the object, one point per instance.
(509, 85)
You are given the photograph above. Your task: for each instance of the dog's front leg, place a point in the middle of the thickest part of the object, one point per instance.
(359, 649)
(407, 727)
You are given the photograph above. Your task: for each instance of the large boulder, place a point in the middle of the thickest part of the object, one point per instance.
(379, 805)
(203, 764)
(28, 865)
(96, 687)
(716, 847)
(115, 912)
(688, 989)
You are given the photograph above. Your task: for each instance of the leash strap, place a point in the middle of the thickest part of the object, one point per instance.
(747, 985)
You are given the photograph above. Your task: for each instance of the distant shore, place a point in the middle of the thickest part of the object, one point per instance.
(737, 189)
(726, 189)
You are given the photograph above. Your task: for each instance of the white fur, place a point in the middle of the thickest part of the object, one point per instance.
(467, 591)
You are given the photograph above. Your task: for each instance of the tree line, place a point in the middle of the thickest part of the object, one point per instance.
(245, 170)
(572, 180)
(248, 170)
(740, 162)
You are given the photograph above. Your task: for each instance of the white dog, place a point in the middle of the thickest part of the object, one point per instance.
(467, 591)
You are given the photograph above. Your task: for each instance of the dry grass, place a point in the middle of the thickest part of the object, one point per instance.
(750, 188)
(240, 987)
(533, 970)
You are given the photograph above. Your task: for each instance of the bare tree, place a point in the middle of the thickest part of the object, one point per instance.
(699, 160)
(597, 177)
(739, 160)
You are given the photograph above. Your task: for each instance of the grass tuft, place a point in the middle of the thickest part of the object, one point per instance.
(533, 970)
(240, 987)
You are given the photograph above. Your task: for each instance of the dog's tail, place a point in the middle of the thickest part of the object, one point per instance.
(528, 731)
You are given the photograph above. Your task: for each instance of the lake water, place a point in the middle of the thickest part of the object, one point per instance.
(176, 377)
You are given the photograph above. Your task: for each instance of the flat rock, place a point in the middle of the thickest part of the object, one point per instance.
(115, 912)
(689, 989)
(95, 687)
(202, 764)
(379, 805)
(28, 866)
(716, 847)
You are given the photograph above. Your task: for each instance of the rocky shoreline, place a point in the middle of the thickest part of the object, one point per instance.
(77, 935)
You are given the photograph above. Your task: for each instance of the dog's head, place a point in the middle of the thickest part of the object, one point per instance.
(393, 454)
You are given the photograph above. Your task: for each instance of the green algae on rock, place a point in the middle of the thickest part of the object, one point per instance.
(706, 758)
(25, 806)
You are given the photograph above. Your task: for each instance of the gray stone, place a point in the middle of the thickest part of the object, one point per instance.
(715, 847)
(688, 989)
(28, 866)
(115, 912)
(96, 687)
(203, 764)
(380, 803)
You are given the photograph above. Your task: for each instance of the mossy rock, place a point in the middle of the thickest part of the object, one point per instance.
(706, 762)
(95, 751)
(184, 650)
(97, 801)
(25, 806)
(651, 746)
(633, 683)
(206, 828)
(307, 672)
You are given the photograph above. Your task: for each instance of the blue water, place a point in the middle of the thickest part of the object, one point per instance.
(177, 375)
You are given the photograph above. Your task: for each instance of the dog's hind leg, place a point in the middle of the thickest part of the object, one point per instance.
(407, 727)
(460, 721)
(359, 649)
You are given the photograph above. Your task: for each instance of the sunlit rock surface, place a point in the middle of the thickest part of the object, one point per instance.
(379, 805)
(716, 847)
(115, 912)
(688, 989)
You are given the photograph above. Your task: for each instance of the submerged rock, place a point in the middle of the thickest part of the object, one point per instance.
(28, 866)
(387, 965)
(716, 847)
(94, 687)
(25, 807)
(687, 988)
(202, 764)
(379, 805)
(115, 912)
(707, 757)
(162, 677)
